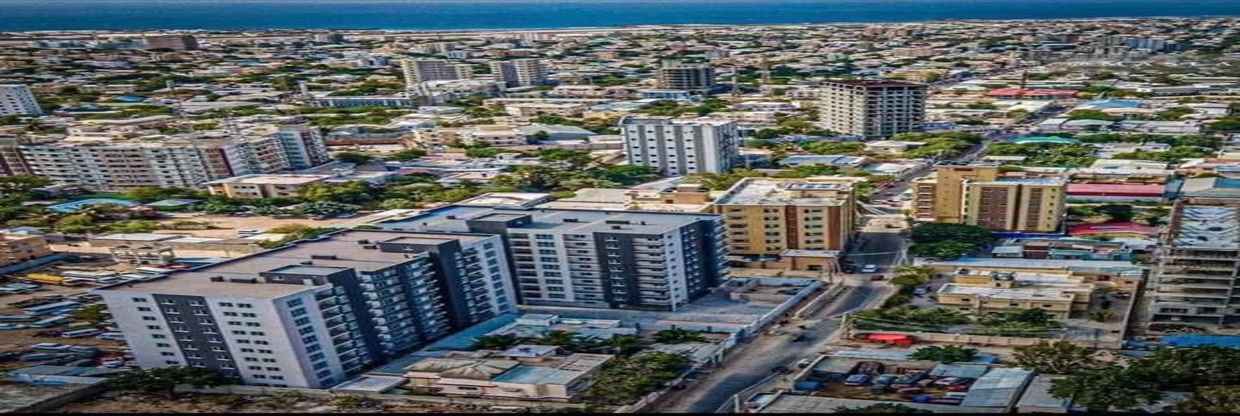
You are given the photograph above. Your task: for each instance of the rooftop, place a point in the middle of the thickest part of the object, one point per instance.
(760, 191)
(1023, 293)
(454, 219)
(1208, 227)
(323, 256)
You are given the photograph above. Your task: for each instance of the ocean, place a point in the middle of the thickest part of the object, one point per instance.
(25, 15)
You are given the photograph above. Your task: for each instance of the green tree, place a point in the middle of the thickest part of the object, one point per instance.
(164, 380)
(22, 184)
(353, 157)
(678, 336)
(95, 314)
(945, 354)
(1105, 389)
(1059, 357)
(1212, 400)
(407, 154)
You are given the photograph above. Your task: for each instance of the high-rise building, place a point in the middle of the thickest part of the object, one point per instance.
(674, 75)
(303, 146)
(872, 108)
(1015, 204)
(316, 312)
(982, 196)
(1194, 282)
(16, 99)
(769, 216)
(520, 72)
(173, 42)
(597, 259)
(423, 70)
(681, 146)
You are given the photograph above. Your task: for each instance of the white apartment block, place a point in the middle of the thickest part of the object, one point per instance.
(317, 312)
(520, 72)
(681, 146)
(872, 108)
(423, 70)
(18, 100)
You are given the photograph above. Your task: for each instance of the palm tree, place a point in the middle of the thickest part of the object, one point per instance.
(678, 336)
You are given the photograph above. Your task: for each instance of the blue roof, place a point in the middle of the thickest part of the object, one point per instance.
(1189, 341)
(1044, 139)
(70, 207)
(1113, 104)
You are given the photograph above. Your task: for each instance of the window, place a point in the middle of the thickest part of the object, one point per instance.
(143, 309)
(139, 300)
(154, 327)
(149, 318)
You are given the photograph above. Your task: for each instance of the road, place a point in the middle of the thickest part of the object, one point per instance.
(752, 362)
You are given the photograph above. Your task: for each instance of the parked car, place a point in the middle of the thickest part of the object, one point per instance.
(869, 268)
(885, 379)
(805, 362)
(857, 380)
(921, 291)
(908, 380)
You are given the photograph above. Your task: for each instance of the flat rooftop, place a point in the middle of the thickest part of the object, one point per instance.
(330, 254)
(1023, 293)
(751, 191)
(454, 219)
(1208, 227)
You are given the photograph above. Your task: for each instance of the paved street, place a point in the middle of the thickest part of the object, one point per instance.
(752, 362)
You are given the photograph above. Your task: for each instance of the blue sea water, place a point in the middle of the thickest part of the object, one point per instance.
(21, 15)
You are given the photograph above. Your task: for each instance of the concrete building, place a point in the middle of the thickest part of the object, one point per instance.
(681, 146)
(263, 186)
(939, 197)
(17, 100)
(173, 42)
(316, 312)
(872, 108)
(520, 72)
(1195, 280)
(303, 146)
(769, 216)
(981, 195)
(423, 70)
(17, 248)
(597, 259)
(1032, 204)
(523, 372)
(674, 75)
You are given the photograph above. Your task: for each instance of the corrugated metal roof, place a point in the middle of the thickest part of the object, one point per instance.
(998, 388)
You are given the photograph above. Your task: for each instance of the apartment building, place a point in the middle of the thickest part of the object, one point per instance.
(316, 312)
(187, 161)
(997, 292)
(16, 99)
(1195, 281)
(1012, 204)
(303, 145)
(520, 72)
(872, 108)
(173, 42)
(17, 248)
(423, 70)
(524, 372)
(596, 259)
(106, 165)
(981, 195)
(770, 216)
(673, 75)
(263, 186)
(681, 146)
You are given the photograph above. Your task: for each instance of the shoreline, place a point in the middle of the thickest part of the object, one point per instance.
(633, 27)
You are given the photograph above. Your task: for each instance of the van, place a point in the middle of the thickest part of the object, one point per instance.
(111, 336)
(955, 395)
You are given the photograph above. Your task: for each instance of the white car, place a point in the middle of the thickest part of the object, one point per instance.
(869, 268)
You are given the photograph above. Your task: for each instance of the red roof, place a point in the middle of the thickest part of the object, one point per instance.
(1115, 189)
(1030, 92)
(1112, 228)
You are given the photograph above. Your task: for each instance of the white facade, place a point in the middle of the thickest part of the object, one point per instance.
(18, 100)
(520, 72)
(872, 108)
(681, 147)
